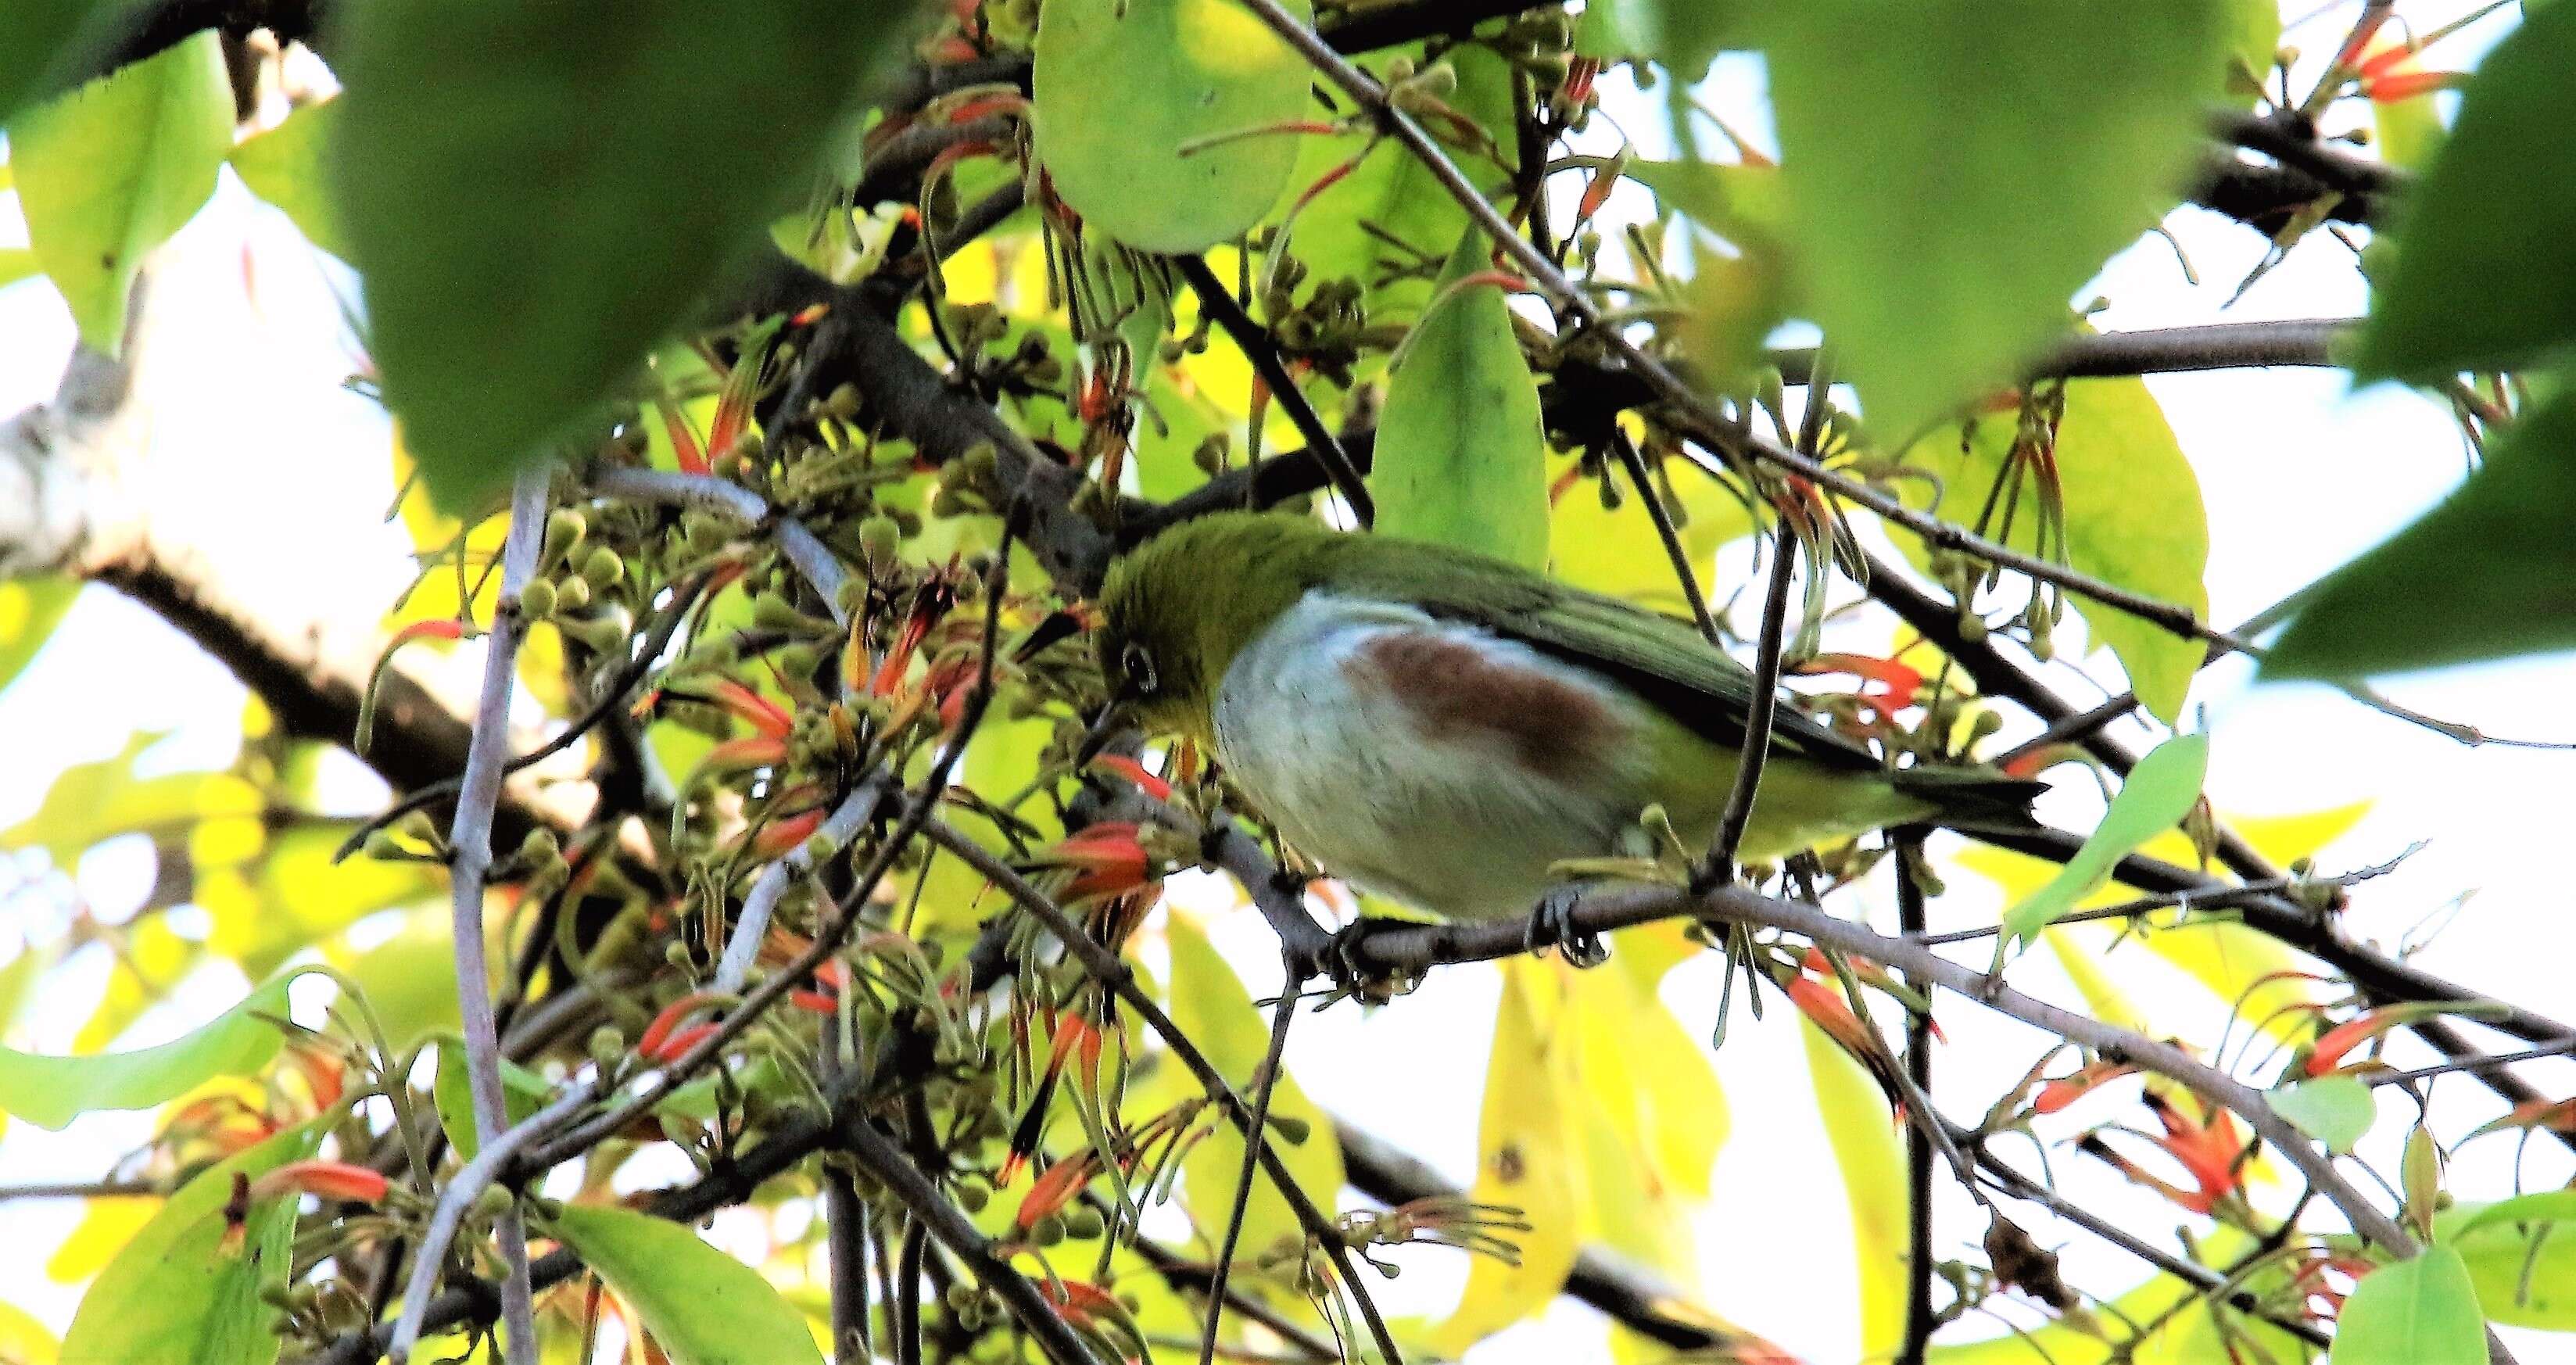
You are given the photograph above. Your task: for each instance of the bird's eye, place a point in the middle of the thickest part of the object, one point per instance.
(1139, 668)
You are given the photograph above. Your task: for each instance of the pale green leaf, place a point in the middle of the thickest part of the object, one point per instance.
(1136, 105)
(51, 1091)
(1461, 459)
(1914, 133)
(109, 171)
(2548, 1206)
(702, 1306)
(2335, 1110)
(2159, 793)
(1683, 36)
(1388, 224)
(90, 802)
(2486, 574)
(24, 1340)
(2422, 1311)
(537, 193)
(2525, 1273)
(177, 1294)
(2134, 519)
(286, 166)
(523, 1092)
(2468, 291)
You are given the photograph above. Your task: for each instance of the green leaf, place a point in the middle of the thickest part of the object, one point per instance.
(2548, 1206)
(2525, 1273)
(523, 1092)
(537, 193)
(2134, 519)
(1210, 1004)
(1682, 36)
(2422, 1311)
(2159, 793)
(108, 172)
(1958, 168)
(285, 166)
(2335, 1110)
(2487, 574)
(702, 1306)
(18, 263)
(1461, 459)
(51, 1091)
(1126, 97)
(29, 610)
(2467, 291)
(46, 38)
(1388, 224)
(176, 1294)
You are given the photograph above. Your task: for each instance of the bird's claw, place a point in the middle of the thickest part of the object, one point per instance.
(1552, 924)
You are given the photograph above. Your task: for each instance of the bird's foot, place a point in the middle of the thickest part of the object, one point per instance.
(1552, 924)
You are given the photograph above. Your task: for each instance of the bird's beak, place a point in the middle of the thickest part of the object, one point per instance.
(1104, 727)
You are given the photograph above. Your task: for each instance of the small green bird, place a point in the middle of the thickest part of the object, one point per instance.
(1440, 727)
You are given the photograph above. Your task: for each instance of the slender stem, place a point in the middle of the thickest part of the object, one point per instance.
(471, 1180)
(907, 1290)
(1685, 572)
(1266, 1084)
(469, 842)
(1919, 1317)
(1219, 303)
(1758, 714)
(933, 1215)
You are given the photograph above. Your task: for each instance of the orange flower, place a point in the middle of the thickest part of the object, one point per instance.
(766, 716)
(2065, 1090)
(1107, 860)
(329, 1179)
(1055, 1188)
(1135, 772)
(692, 457)
(782, 836)
(657, 1035)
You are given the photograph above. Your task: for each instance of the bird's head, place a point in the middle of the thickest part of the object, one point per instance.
(1177, 609)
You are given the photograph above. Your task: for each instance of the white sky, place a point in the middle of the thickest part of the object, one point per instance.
(2298, 474)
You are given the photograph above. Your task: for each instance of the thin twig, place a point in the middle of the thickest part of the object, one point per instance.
(1266, 1083)
(1758, 714)
(469, 842)
(470, 1181)
(1218, 303)
(1685, 572)
(1919, 1316)
(882, 1159)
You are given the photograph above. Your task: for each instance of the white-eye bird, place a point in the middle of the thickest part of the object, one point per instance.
(1441, 727)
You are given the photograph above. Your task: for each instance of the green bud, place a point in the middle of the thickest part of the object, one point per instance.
(971, 1198)
(880, 538)
(602, 567)
(608, 1046)
(572, 594)
(843, 402)
(677, 954)
(1294, 1130)
(564, 530)
(492, 1202)
(381, 844)
(1083, 1224)
(1047, 1230)
(536, 600)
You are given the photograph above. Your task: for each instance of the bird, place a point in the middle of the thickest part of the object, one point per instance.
(1444, 729)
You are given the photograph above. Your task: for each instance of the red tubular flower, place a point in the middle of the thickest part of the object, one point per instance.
(1898, 683)
(657, 1034)
(1135, 772)
(692, 456)
(329, 1179)
(2065, 1090)
(751, 751)
(678, 1044)
(1831, 1012)
(764, 715)
(782, 836)
(1579, 75)
(1107, 859)
(2208, 1147)
(2556, 1116)
(439, 628)
(1056, 1186)
(2406, 85)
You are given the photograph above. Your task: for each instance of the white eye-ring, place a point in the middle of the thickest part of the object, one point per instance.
(1139, 668)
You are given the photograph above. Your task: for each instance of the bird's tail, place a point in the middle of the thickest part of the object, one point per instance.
(1973, 798)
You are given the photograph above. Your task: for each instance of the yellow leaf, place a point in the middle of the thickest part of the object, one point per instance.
(25, 1341)
(105, 1227)
(1210, 1004)
(1871, 1155)
(1619, 553)
(1529, 1156)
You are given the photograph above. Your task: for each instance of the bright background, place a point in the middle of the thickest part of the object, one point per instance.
(2298, 472)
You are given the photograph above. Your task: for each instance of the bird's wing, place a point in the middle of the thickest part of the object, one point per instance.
(1662, 659)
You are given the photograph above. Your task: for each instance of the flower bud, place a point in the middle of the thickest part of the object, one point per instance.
(536, 600)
